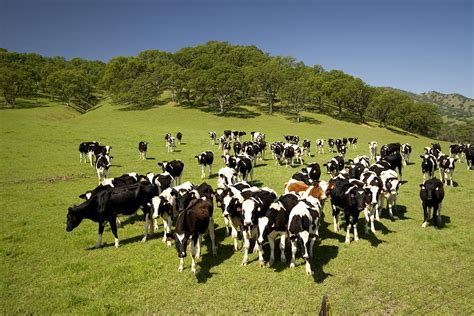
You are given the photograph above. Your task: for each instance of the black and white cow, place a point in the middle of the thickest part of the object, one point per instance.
(335, 165)
(428, 166)
(262, 145)
(105, 206)
(320, 145)
(190, 225)
(394, 161)
(307, 147)
(102, 165)
(182, 197)
(101, 150)
(292, 139)
(227, 134)
(255, 135)
(432, 195)
(356, 170)
(206, 158)
(364, 160)
(237, 146)
(86, 149)
(244, 168)
(341, 149)
(406, 151)
(373, 149)
(226, 146)
(170, 144)
(142, 148)
(226, 176)
(303, 225)
(331, 144)
(351, 199)
(446, 166)
(275, 223)
(252, 209)
(213, 137)
(374, 183)
(390, 149)
(163, 206)
(390, 187)
(455, 151)
(469, 152)
(174, 168)
(277, 149)
(125, 179)
(288, 154)
(179, 137)
(161, 181)
(353, 142)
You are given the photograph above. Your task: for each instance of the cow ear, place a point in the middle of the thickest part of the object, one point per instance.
(421, 156)
(82, 196)
(422, 186)
(293, 237)
(111, 157)
(325, 164)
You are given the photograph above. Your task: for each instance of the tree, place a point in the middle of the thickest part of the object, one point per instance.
(268, 78)
(223, 82)
(12, 83)
(68, 84)
(296, 93)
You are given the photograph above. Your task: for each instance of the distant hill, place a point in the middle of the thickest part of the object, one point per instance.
(454, 107)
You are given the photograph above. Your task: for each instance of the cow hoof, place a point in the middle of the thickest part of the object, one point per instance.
(309, 272)
(244, 263)
(283, 260)
(356, 238)
(261, 264)
(116, 246)
(373, 231)
(180, 269)
(168, 243)
(424, 225)
(292, 265)
(143, 239)
(193, 270)
(348, 241)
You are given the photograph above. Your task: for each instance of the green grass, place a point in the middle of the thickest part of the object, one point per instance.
(404, 269)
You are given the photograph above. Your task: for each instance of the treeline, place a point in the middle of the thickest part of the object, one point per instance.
(219, 75)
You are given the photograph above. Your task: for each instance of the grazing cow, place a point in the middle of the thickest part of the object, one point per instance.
(455, 151)
(303, 225)
(353, 142)
(390, 186)
(350, 198)
(206, 158)
(253, 208)
(86, 149)
(446, 169)
(428, 166)
(191, 224)
(432, 195)
(213, 137)
(320, 145)
(179, 136)
(335, 165)
(273, 224)
(163, 206)
(277, 149)
(226, 176)
(170, 144)
(174, 168)
(226, 148)
(244, 168)
(106, 205)
(373, 149)
(374, 183)
(406, 151)
(102, 165)
(331, 144)
(142, 148)
(237, 146)
(227, 134)
(307, 147)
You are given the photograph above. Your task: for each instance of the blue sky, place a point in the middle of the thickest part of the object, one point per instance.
(417, 45)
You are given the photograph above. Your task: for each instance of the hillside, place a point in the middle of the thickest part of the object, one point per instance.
(454, 107)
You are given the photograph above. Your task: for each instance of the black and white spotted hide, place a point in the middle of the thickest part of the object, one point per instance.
(226, 176)
(446, 169)
(373, 183)
(170, 144)
(142, 149)
(163, 206)
(174, 168)
(432, 195)
(320, 145)
(335, 165)
(102, 165)
(389, 191)
(277, 149)
(206, 158)
(86, 150)
(331, 144)
(307, 147)
(406, 151)
(226, 146)
(428, 166)
(373, 149)
(244, 168)
(213, 137)
(237, 146)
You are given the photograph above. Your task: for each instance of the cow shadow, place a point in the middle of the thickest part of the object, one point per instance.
(260, 165)
(256, 183)
(444, 220)
(322, 255)
(371, 237)
(25, 104)
(212, 176)
(399, 212)
(150, 158)
(208, 261)
(455, 184)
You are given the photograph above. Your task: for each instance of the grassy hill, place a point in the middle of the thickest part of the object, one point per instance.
(403, 269)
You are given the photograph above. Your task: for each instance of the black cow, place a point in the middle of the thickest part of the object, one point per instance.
(237, 146)
(353, 142)
(288, 155)
(179, 137)
(174, 168)
(356, 170)
(86, 149)
(469, 152)
(227, 134)
(277, 149)
(106, 205)
(142, 148)
(274, 224)
(432, 195)
(331, 144)
(206, 158)
(394, 162)
(390, 149)
(191, 224)
(125, 179)
(244, 168)
(335, 165)
(455, 151)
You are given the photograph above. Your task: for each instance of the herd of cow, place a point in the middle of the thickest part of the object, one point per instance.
(355, 186)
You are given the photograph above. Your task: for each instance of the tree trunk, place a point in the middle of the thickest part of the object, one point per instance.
(270, 102)
(221, 104)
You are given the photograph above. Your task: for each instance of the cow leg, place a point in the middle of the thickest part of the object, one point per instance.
(227, 224)
(98, 244)
(367, 219)
(150, 223)
(335, 215)
(246, 247)
(234, 223)
(113, 227)
(426, 213)
(356, 233)
(261, 261)
(166, 228)
(212, 235)
(210, 170)
(348, 227)
(293, 252)
(282, 248)
(145, 234)
(203, 171)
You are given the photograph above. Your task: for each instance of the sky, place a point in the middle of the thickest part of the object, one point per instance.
(415, 45)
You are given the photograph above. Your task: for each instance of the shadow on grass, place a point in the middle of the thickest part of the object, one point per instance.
(26, 104)
(397, 131)
(150, 158)
(208, 261)
(133, 107)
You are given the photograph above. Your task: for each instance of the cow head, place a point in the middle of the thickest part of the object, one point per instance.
(73, 218)
(181, 243)
(250, 208)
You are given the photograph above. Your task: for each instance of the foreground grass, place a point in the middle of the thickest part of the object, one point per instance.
(403, 269)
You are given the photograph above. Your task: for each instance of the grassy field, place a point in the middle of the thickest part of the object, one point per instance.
(404, 269)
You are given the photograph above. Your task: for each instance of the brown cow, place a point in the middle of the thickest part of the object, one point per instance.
(298, 187)
(317, 190)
